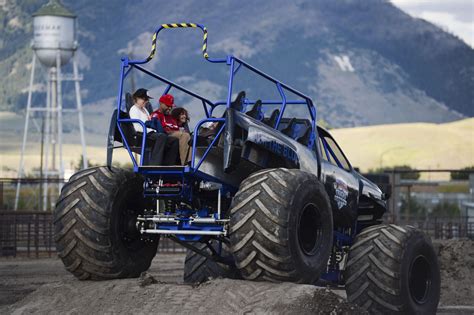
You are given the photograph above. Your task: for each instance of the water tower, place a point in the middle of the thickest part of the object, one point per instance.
(54, 45)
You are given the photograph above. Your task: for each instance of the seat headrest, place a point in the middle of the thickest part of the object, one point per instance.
(273, 118)
(306, 137)
(128, 101)
(237, 104)
(256, 111)
(289, 130)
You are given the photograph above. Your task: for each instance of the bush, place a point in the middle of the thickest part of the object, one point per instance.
(411, 175)
(446, 209)
(126, 165)
(322, 123)
(460, 175)
(416, 209)
(79, 164)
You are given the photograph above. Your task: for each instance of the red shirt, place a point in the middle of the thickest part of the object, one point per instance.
(168, 122)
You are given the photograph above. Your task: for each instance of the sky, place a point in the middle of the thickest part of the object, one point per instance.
(455, 16)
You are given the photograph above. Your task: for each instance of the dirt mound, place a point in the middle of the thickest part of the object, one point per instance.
(220, 296)
(44, 286)
(456, 259)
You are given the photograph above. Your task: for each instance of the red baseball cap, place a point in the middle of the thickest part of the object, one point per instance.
(167, 99)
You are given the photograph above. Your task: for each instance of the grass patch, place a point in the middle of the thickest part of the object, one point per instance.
(460, 188)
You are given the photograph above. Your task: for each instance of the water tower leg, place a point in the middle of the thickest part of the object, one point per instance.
(25, 133)
(79, 112)
(47, 140)
(53, 121)
(60, 118)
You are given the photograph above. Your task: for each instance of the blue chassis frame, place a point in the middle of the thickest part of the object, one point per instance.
(341, 239)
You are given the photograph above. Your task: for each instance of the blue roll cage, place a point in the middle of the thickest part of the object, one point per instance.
(235, 64)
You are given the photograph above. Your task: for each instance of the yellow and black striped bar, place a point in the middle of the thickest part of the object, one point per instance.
(174, 25)
(153, 48)
(179, 25)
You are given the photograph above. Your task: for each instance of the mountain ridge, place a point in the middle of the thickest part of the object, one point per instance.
(403, 69)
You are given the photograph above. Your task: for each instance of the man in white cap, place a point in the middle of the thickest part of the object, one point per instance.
(161, 140)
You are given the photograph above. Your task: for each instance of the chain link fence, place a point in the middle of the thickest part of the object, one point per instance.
(31, 234)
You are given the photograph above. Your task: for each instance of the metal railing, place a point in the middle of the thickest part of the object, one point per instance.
(30, 230)
(440, 227)
(415, 196)
(27, 234)
(36, 194)
(31, 234)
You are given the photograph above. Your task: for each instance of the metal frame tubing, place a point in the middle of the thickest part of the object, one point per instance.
(235, 64)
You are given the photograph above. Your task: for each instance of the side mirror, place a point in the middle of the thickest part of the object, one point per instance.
(387, 193)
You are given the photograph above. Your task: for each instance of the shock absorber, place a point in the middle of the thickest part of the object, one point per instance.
(332, 259)
(170, 205)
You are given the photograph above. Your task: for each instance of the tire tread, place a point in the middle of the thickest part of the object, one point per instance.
(373, 270)
(259, 229)
(82, 223)
(198, 268)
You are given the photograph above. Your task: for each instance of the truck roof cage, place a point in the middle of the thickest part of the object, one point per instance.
(234, 63)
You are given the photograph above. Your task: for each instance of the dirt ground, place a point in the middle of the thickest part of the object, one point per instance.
(456, 259)
(44, 286)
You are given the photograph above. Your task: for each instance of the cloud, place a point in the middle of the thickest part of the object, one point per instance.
(455, 16)
(241, 48)
(448, 22)
(208, 89)
(83, 60)
(140, 48)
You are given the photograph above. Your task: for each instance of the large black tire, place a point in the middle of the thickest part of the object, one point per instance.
(281, 226)
(198, 269)
(393, 270)
(94, 221)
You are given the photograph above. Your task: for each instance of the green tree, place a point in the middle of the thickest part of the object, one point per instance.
(446, 209)
(324, 124)
(411, 175)
(126, 165)
(456, 175)
(79, 165)
(412, 207)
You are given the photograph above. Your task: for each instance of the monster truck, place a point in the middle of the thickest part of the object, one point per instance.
(266, 197)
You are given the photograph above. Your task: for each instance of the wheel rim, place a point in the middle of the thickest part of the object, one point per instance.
(128, 231)
(309, 230)
(420, 278)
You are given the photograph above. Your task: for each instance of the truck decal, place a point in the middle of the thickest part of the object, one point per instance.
(341, 193)
(279, 149)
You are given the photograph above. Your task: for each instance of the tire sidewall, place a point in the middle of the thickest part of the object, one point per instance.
(130, 195)
(305, 194)
(418, 245)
